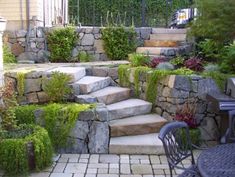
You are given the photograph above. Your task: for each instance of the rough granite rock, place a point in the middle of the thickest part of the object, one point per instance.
(98, 137)
(80, 131)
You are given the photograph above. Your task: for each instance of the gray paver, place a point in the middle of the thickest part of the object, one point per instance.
(89, 165)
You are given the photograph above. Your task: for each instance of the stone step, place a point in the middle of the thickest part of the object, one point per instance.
(140, 144)
(137, 125)
(168, 37)
(127, 108)
(168, 31)
(111, 94)
(75, 73)
(165, 51)
(90, 84)
(156, 43)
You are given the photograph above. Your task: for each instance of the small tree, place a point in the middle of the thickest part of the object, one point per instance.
(216, 20)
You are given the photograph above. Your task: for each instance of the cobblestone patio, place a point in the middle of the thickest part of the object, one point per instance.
(106, 165)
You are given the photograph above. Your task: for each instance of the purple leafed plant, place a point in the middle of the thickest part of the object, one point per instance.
(194, 64)
(155, 61)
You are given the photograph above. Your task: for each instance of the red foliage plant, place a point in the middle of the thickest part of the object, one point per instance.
(187, 114)
(155, 61)
(194, 64)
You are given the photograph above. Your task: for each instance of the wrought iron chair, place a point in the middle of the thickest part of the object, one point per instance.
(177, 145)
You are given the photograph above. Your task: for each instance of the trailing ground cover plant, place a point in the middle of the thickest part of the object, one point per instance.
(15, 138)
(60, 44)
(119, 41)
(58, 119)
(57, 87)
(8, 57)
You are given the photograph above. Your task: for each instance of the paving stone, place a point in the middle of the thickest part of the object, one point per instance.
(63, 159)
(102, 170)
(44, 174)
(59, 168)
(141, 169)
(76, 168)
(113, 165)
(85, 156)
(79, 175)
(83, 160)
(160, 166)
(135, 161)
(92, 170)
(125, 169)
(144, 161)
(90, 175)
(154, 159)
(159, 172)
(107, 175)
(113, 171)
(61, 175)
(94, 158)
(130, 176)
(109, 158)
(73, 160)
(98, 165)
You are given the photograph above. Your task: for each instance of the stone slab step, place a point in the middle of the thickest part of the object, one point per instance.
(127, 108)
(137, 125)
(111, 94)
(90, 84)
(75, 73)
(140, 144)
(168, 31)
(156, 43)
(165, 51)
(167, 37)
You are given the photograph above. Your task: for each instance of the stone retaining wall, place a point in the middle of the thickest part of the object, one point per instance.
(174, 90)
(31, 46)
(34, 84)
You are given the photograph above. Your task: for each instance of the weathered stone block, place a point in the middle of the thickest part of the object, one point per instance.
(100, 71)
(80, 130)
(42, 97)
(88, 39)
(21, 33)
(32, 98)
(99, 46)
(87, 115)
(32, 85)
(76, 146)
(17, 49)
(85, 99)
(27, 56)
(99, 137)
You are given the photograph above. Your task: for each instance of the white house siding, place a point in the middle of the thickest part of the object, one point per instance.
(15, 12)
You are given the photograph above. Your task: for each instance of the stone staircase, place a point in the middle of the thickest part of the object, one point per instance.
(133, 128)
(166, 43)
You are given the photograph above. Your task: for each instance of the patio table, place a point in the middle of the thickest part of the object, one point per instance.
(218, 161)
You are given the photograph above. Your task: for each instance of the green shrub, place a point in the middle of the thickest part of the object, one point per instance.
(119, 42)
(57, 86)
(165, 66)
(13, 152)
(228, 59)
(61, 43)
(58, 119)
(84, 57)
(216, 20)
(8, 57)
(178, 61)
(210, 49)
(137, 59)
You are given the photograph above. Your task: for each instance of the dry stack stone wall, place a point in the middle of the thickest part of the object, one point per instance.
(174, 90)
(31, 46)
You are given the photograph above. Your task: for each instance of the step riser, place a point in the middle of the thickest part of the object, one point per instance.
(127, 112)
(168, 31)
(135, 149)
(116, 97)
(140, 129)
(151, 43)
(168, 37)
(164, 51)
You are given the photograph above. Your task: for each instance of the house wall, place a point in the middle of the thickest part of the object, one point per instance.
(15, 12)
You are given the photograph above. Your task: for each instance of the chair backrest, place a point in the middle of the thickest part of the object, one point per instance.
(176, 141)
